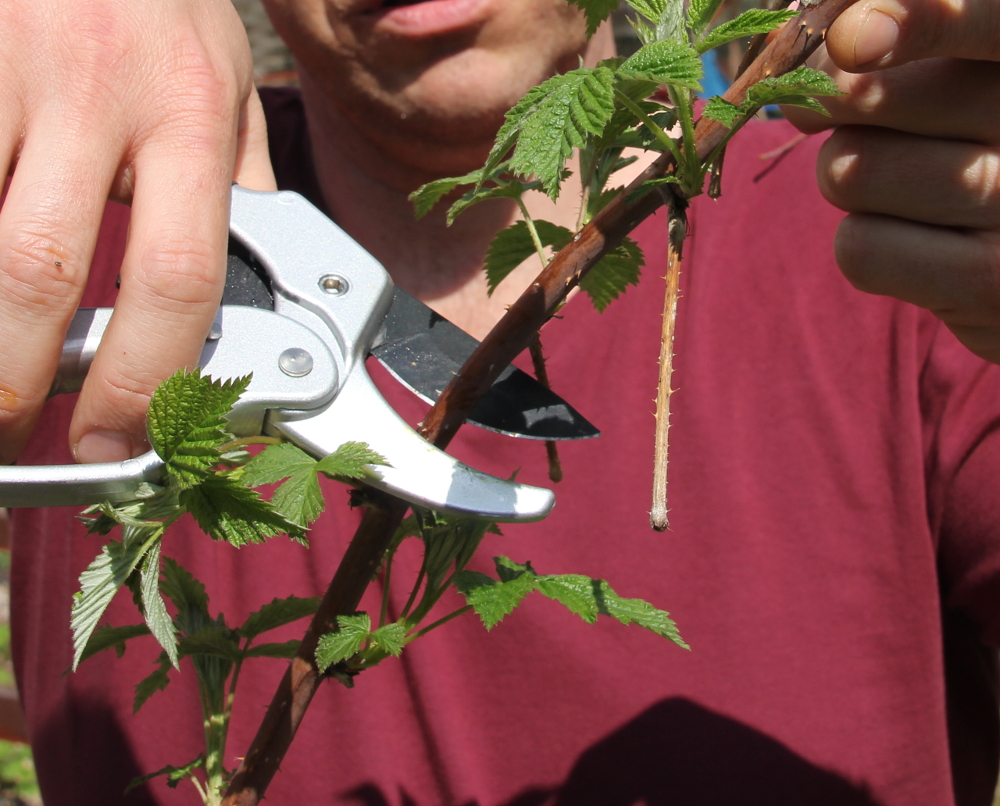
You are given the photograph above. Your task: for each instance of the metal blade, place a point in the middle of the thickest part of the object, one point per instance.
(424, 351)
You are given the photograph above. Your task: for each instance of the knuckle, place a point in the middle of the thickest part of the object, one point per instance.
(97, 39)
(981, 186)
(39, 270)
(181, 273)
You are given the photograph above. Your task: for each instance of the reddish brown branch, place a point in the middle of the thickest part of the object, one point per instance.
(512, 334)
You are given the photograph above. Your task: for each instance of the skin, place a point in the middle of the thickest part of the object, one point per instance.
(152, 103)
(915, 160)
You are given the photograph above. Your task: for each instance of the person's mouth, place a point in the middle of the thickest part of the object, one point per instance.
(419, 18)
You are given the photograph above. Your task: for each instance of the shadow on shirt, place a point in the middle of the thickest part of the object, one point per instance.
(678, 753)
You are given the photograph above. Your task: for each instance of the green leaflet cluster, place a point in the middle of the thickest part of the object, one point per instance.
(217, 653)
(449, 545)
(602, 110)
(209, 474)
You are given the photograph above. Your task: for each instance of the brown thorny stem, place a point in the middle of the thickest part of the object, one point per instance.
(676, 233)
(542, 374)
(789, 49)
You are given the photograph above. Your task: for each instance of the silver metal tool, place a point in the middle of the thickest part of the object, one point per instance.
(306, 347)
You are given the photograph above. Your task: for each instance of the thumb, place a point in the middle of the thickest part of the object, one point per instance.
(873, 34)
(253, 161)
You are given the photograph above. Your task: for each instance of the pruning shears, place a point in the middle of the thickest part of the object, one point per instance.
(304, 306)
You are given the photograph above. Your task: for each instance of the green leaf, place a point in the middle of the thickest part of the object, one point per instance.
(216, 641)
(565, 110)
(174, 774)
(492, 599)
(596, 11)
(352, 460)
(513, 245)
(718, 108)
(300, 499)
(226, 510)
(665, 16)
(148, 686)
(186, 422)
(426, 196)
(286, 650)
(276, 462)
(638, 612)
(187, 594)
(589, 598)
(154, 609)
(278, 613)
(506, 189)
(670, 62)
(391, 637)
(614, 272)
(334, 647)
(107, 636)
(701, 13)
(791, 88)
(749, 23)
(98, 585)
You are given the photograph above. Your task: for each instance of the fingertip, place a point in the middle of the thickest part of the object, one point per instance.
(253, 159)
(866, 36)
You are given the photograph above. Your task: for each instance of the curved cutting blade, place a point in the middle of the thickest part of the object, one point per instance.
(424, 351)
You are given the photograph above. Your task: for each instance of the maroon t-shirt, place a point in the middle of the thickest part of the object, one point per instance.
(833, 560)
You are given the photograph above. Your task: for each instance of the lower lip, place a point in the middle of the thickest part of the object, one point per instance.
(432, 17)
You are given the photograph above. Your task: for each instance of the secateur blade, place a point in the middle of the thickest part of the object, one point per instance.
(424, 351)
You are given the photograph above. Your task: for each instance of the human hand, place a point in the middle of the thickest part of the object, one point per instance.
(150, 102)
(915, 160)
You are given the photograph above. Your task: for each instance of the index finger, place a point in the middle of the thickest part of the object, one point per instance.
(872, 34)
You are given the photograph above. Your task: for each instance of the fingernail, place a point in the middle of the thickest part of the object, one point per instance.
(875, 38)
(103, 446)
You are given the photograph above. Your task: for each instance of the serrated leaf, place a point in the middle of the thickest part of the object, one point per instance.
(277, 613)
(226, 510)
(352, 460)
(665, 16)
(391, 637)
(617, 270)
(98, 585)
(334, 647)
(512, 245)
(596, 11)
(701, 13)
(726, 113)
(154, 609)
(148, 686)
(639, 612)
(215, 641)
(507, 189)
(791, 88)
(186, 422)
(107, 636)
(492, 599)
(749, 23)
(566, 109)
(589, 598)
(274, 463)
(286, 650)
(669, 62)
(187, 594)
(426, 196)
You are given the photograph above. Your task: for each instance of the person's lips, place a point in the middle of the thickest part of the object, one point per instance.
(418, 18)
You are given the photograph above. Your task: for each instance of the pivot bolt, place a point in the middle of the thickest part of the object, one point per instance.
(333, 284)
(295, 362)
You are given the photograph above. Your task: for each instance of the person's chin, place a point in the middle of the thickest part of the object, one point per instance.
(419, 19)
